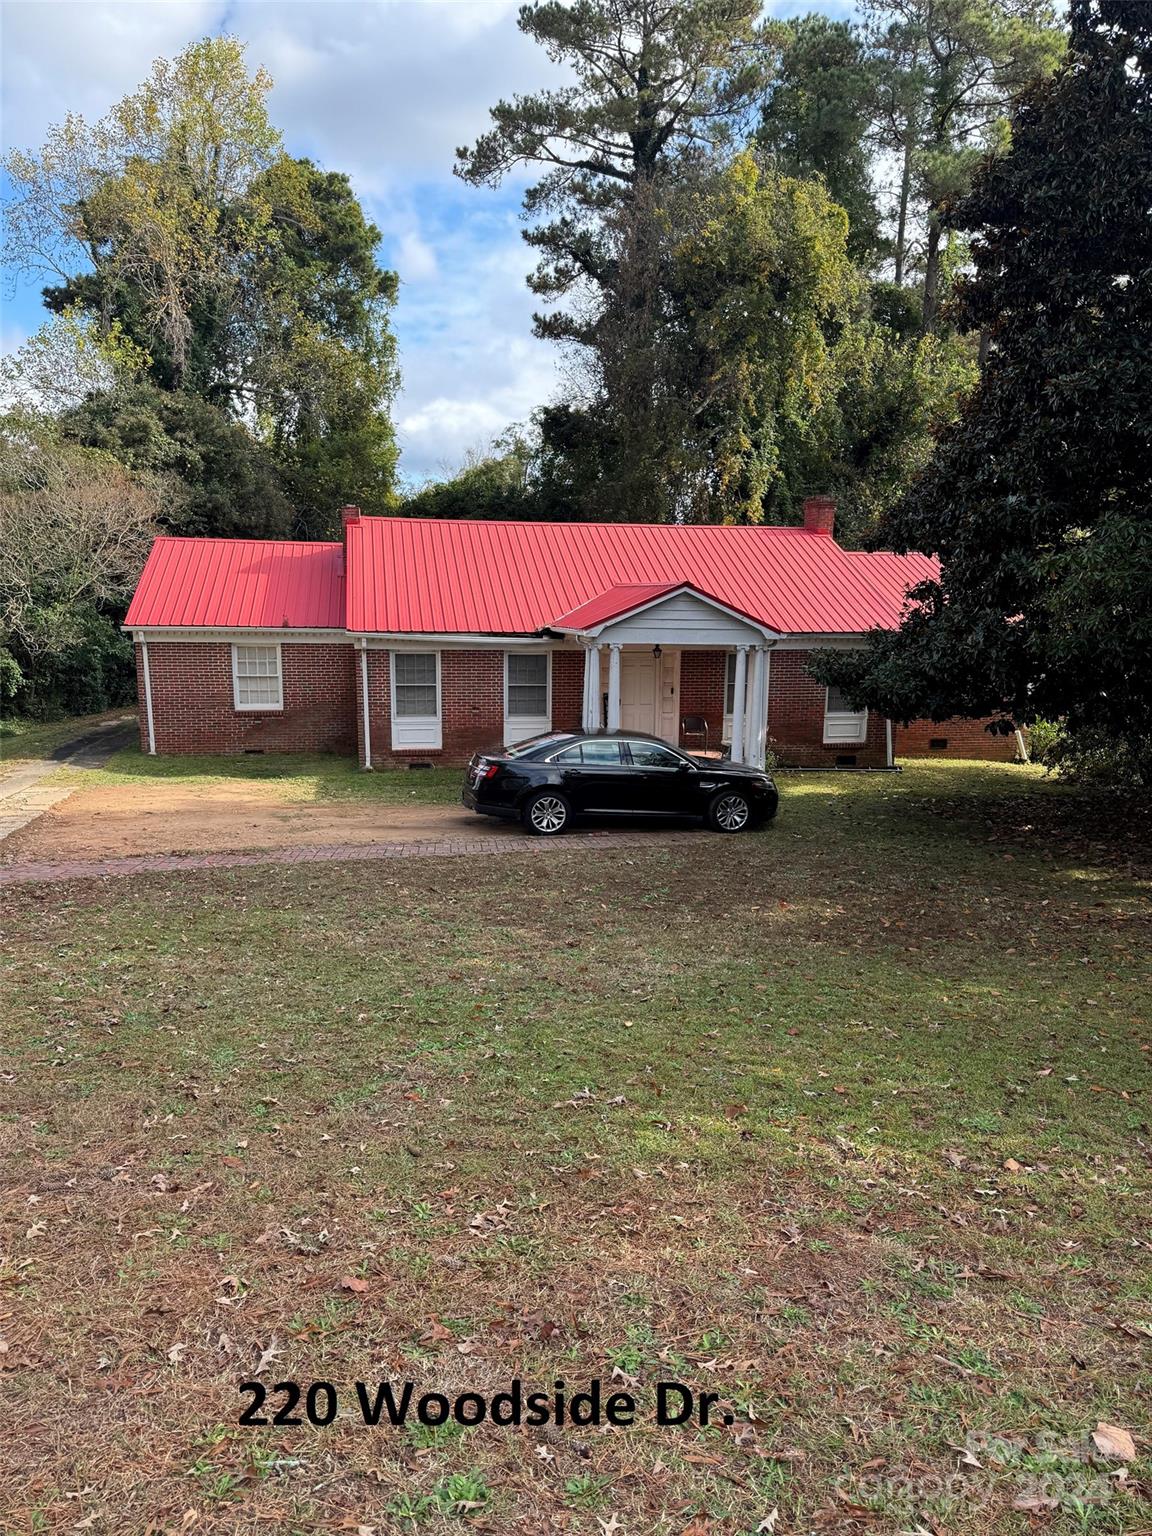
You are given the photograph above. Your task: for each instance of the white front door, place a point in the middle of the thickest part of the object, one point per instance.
(649, 693)
(638, 692)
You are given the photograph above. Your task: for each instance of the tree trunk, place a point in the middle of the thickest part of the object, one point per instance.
(902, 216)
(932, 272)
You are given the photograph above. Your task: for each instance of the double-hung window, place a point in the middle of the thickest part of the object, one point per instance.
(527, 695)
(842, 723)
(416, 699)
(257, 682)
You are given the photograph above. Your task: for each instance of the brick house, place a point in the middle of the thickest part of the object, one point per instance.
(423, 640)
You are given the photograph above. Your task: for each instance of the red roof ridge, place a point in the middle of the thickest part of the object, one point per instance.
(240, 538)
(559, 522)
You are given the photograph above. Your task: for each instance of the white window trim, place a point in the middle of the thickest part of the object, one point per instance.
(416, 733)
(257, 709)
(851, 726)
(523, 727)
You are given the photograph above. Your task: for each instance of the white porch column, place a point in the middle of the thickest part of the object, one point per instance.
(749, 747)
(613, 687)
(589, 714)
(756, 730)
(741, 684)
(762, 740)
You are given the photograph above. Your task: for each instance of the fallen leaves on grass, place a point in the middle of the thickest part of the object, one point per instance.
(1113, 1442)
(354, 1284)
(490, 1221)
(273, 1352)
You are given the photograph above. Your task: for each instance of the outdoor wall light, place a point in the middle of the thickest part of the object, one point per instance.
(657, 652)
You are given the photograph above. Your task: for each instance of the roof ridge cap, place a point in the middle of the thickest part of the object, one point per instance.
(537, 522)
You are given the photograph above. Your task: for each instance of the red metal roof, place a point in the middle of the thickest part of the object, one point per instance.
(240, 584)
(437, 576)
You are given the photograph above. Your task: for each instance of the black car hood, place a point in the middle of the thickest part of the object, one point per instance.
(737, 770)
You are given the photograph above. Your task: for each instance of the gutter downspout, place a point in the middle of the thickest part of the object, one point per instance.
(890, 759)
(364, 705)
(148, 698)
(1022, 747)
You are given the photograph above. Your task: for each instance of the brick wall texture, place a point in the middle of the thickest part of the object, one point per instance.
(961, 738)
(193, 711)
(702, 693)
(796, 720)
(192, 706)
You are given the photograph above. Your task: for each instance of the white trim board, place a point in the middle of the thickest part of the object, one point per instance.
(240, 636)
(563, 640)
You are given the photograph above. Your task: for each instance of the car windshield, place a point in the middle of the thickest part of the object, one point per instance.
(536, 744)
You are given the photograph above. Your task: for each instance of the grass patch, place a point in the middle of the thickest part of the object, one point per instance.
(298, 777)
(22, 740)
(847, 1121)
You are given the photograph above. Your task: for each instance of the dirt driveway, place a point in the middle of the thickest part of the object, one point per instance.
(158, 818)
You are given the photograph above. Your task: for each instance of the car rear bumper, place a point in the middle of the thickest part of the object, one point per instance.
(471, 802)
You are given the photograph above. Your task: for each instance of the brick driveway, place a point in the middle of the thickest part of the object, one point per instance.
(450, 847)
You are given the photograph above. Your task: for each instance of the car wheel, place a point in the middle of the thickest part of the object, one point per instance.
(546, 814)
(729, 812)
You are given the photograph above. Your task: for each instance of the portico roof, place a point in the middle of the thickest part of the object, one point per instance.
(617, 602)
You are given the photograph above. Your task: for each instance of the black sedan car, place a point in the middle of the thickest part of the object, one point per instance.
(546, 782)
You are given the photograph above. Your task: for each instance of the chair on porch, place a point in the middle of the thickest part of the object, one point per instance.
(694, 725)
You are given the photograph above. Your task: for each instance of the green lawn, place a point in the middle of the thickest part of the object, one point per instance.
(847, 1122)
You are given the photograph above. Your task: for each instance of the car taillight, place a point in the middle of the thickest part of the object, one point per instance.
(491, 771)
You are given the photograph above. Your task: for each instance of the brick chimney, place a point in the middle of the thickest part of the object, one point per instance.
(819, 514)
(349, 515)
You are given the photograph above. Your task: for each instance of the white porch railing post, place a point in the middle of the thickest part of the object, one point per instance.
(738, 713)
(613, 687)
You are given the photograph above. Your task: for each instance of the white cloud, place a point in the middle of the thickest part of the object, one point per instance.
(83, 55)
(436, 434)
(415, 258)
(389, 90)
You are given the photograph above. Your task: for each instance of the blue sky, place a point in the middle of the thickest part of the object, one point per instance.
(381, 89)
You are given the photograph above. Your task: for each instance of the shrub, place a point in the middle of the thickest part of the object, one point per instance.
(1092, 756)
(1043, 739)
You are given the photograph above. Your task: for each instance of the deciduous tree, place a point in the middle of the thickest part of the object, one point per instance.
(75, 528)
